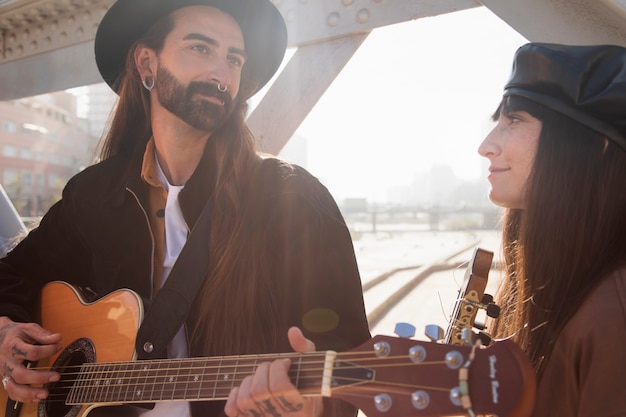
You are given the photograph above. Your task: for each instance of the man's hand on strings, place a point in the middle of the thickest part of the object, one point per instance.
(269, 391)
(21, 342)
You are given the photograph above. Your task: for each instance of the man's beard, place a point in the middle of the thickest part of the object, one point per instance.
(186, 103)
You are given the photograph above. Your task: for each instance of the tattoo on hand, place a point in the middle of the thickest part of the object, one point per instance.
(16, 353)
(6, 369)
(268, 408)
(288, 406)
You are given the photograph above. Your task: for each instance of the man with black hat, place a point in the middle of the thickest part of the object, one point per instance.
(233, 253)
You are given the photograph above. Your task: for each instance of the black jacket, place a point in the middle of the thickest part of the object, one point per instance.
(98, 238)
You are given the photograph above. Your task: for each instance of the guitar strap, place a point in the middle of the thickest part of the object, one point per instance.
(169, 309)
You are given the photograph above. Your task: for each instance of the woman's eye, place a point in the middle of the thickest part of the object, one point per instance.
(513, 118)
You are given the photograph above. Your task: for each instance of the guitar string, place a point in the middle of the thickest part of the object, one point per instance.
(171, 386)
(235, 361)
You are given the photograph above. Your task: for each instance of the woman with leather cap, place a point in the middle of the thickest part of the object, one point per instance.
(558, 167)
(233, 253)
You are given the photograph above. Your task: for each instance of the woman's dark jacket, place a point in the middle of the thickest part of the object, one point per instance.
(98, 238)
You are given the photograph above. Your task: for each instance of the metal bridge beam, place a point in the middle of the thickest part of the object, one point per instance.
(584, 22)
(47, 45)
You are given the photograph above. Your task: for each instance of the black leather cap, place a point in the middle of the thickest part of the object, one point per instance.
(585, 83)
(262, 25)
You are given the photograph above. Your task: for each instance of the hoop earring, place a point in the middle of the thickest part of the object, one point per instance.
(222, 88)
(147, 86)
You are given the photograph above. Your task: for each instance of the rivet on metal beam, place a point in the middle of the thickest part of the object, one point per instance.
(362, 16)
(333, 19)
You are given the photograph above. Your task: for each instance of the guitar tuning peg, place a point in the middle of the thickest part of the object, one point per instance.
(434, 332)
(480, 325)
(485, 339)
(493, 310)
(404, 330)
(487, 299)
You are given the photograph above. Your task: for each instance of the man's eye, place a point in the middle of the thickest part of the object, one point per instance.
(200, 48)
(236, 61)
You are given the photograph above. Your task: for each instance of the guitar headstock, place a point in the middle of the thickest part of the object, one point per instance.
(397, 377)
(471, 300)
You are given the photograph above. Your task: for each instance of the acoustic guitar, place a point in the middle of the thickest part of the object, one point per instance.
(386, 376)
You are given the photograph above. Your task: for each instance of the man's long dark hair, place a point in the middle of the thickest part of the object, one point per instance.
(571, 234)
(237, 276)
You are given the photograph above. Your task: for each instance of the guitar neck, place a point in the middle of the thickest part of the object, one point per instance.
(198, 379)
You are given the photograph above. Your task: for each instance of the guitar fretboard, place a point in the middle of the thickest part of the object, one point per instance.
(183, 379)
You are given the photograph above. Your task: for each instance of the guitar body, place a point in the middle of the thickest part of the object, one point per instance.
(110, 324)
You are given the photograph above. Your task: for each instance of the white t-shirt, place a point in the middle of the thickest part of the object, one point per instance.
(176, 232)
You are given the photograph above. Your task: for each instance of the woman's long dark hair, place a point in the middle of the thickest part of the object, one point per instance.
(571, 234)
(237, 270)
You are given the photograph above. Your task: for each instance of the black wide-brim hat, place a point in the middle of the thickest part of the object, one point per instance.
(263, 27)
(585, 83)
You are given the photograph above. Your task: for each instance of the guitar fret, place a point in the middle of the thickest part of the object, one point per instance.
(234, 376)
(78, 388)
(106, 384)
(217, 377)
(174, 381)
(125, 376)
(296, 382)
(200, 387)
(116, 382)
(162, 381)
(193, 380)
(167, 381)
(97, 385)
(138, 388)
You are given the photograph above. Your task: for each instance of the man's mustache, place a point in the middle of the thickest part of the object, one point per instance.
(211, 90)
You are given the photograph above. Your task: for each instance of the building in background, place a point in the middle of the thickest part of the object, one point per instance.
(43, 143)
(99, 101)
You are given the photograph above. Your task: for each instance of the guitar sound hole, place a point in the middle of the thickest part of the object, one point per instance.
(68, 365)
